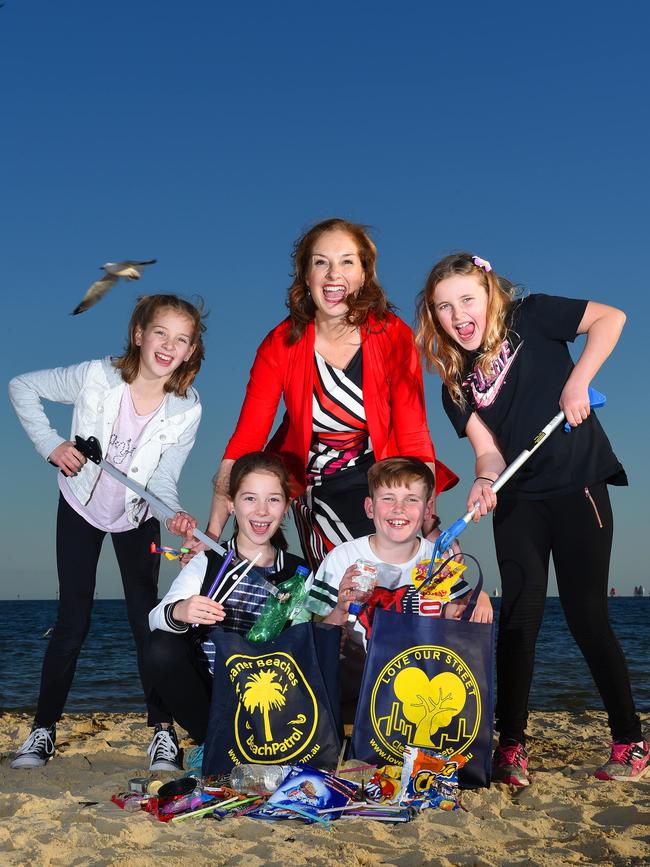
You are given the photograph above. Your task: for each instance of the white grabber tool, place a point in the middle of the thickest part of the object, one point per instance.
(447, 537)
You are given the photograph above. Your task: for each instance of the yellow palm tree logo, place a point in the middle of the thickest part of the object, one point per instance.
(262, 692)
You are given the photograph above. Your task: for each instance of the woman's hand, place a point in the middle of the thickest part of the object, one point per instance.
(196, 547)
(68, 458)
(481, 492)
(198, 609)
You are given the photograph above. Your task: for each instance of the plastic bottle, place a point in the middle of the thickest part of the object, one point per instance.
(182, 804)
(364, 584)
(254, 779)
(278, 609)
(371, 574)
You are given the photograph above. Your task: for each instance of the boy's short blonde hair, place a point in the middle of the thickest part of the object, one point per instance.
(400, 471)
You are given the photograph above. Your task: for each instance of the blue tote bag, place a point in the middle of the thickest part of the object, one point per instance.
(428, 682)
(274, 702)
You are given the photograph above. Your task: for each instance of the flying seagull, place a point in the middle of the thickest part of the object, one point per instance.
(130, 270)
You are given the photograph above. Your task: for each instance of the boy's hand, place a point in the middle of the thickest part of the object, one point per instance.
(67, 458)
(198, 609)
(347, 587)
(453, 610)
(339, 614)
(482, 612)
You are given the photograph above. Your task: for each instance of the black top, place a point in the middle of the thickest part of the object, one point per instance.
(522, 396)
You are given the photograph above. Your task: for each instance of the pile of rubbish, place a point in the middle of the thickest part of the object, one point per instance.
(393, 793)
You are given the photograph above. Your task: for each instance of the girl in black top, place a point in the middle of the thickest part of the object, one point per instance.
(505, 366)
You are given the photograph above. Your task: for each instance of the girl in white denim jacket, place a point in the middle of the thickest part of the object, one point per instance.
(145, 414)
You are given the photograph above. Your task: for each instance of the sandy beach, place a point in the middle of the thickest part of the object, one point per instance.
(564, 817)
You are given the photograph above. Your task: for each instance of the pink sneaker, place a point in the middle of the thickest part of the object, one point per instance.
(627, 763)
(510, 765)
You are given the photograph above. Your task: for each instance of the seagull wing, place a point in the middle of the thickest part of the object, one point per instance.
(95, 293)
(130, 268)
(133, 263)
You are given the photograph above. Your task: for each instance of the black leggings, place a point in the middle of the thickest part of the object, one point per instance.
(526, 533)
(180, 681)
(78, 545)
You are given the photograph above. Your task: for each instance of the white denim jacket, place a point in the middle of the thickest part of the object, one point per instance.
(95, 389)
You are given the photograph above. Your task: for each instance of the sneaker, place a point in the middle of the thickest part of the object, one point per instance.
(164, 750)
(38, 748)
(627, 763)
(510, 765)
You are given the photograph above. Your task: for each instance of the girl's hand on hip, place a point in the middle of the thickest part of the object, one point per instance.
(481, 492)
(198, 609)
(574, 402)
(67, 458)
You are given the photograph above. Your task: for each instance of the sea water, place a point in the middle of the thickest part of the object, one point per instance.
(107, 676)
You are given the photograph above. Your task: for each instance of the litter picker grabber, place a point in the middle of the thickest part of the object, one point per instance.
(91, 449)
(225, 581)
(447, 537)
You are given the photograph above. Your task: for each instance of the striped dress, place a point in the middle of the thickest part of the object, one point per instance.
(331, 510)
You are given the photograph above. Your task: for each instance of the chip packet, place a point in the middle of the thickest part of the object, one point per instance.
(430, 779)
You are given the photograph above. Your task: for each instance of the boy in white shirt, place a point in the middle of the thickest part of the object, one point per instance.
(399, 503)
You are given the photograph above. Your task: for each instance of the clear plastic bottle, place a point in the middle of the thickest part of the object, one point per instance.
(278, 609)
(254, 779)
(363, 585)
(371, 574)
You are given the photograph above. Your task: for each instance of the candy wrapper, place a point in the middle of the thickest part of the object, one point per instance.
(385, 784)
(441, 583)
(430, 779)
(304, 793)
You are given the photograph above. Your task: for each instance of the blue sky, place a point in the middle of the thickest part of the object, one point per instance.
(211, 138)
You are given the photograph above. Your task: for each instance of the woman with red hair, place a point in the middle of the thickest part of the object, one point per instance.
(350, 376)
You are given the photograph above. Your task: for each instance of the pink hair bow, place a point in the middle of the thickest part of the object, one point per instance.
(482, 263)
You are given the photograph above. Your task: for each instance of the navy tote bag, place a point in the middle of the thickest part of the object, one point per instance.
(275, 702)
(428, 682)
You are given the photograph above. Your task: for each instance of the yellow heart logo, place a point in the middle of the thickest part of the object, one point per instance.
(430, 704)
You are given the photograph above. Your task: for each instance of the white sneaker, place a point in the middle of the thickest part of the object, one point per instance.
(164, 750)
(38, 748)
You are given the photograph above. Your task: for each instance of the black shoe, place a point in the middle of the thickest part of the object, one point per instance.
(164, 750)
(38, 748)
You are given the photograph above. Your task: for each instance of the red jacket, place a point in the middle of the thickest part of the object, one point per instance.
(393, 397)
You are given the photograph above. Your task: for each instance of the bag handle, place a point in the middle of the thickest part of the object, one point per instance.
(471, 605)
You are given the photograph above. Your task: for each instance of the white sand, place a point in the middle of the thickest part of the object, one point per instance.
(564, 817)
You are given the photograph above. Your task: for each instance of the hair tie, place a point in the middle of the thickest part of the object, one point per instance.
(482, 263)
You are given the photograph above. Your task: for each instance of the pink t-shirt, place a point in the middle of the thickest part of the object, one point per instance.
(105, 509)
